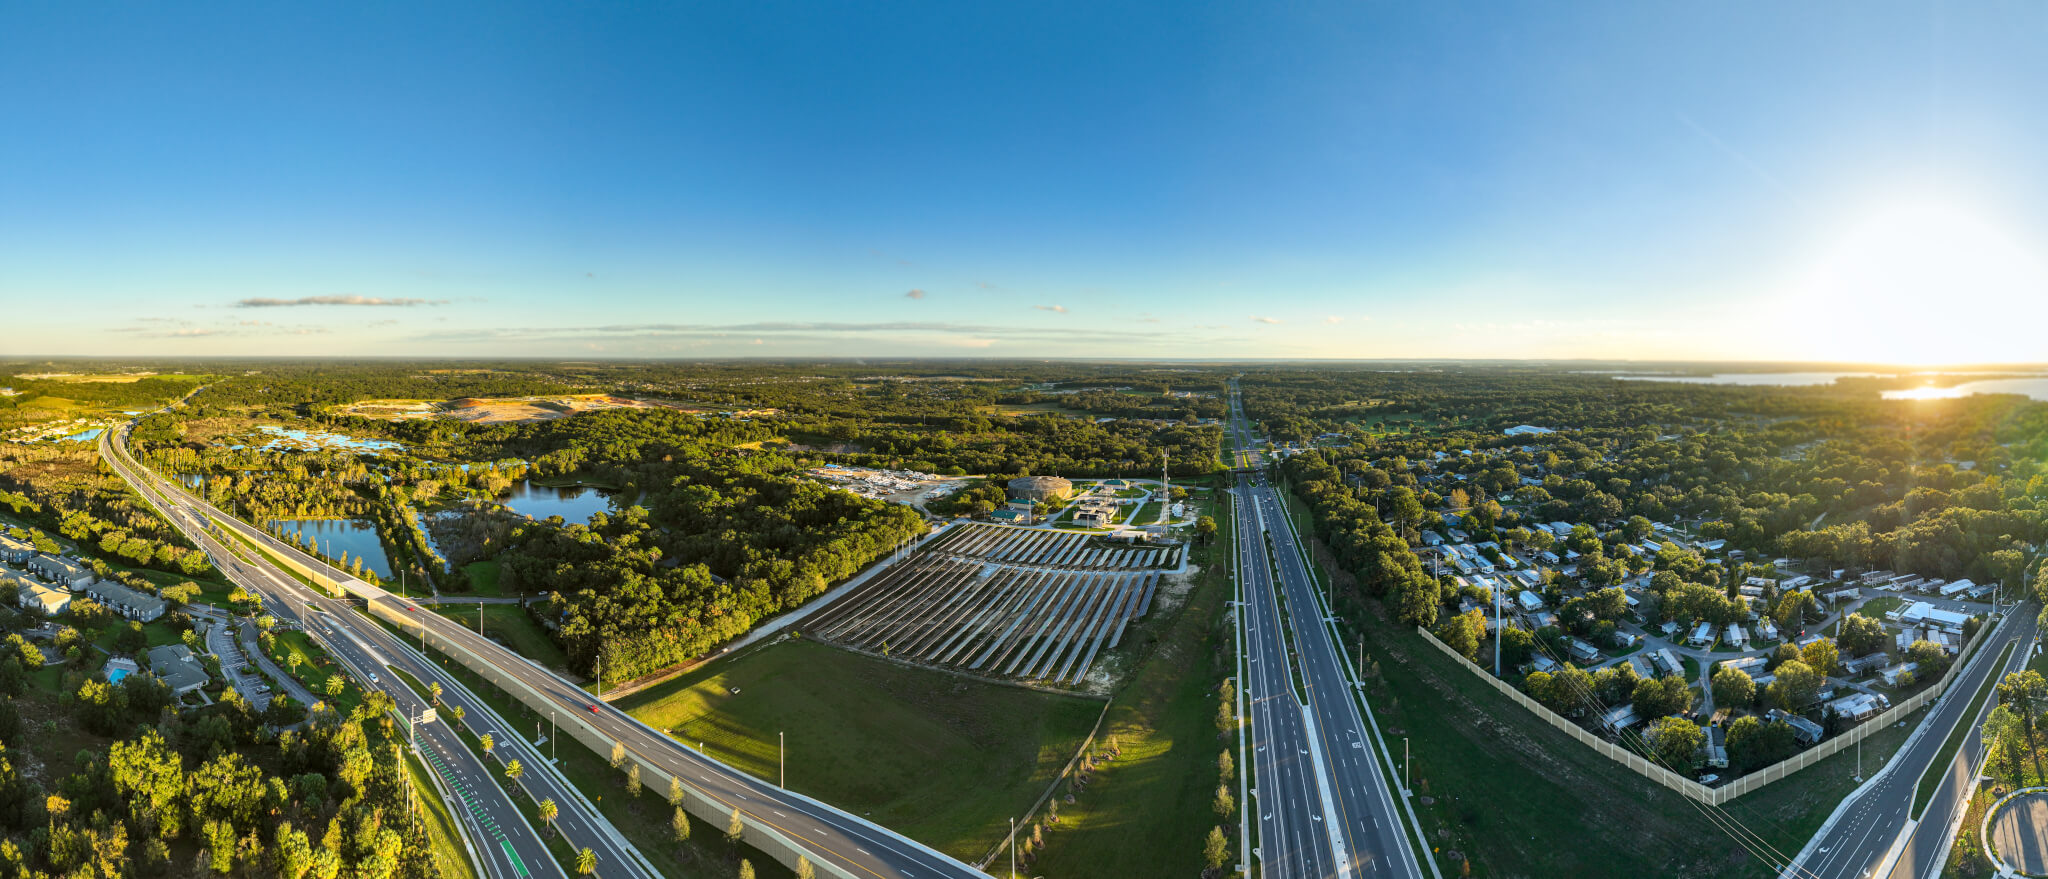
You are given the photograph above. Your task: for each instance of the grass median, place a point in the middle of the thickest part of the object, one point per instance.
(442, 835)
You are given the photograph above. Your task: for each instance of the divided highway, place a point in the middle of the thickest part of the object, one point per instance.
(1325, 807)
(837, 840)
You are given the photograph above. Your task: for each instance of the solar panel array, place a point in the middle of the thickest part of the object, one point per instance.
(1027, 603)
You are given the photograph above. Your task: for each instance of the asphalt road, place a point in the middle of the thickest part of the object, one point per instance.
(860, 847)
(1325, 807)
(1870, 823)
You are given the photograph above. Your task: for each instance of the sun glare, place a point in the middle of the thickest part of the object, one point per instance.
(1923, 283)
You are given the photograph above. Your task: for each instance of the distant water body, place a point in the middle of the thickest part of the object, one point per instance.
(2035, 388)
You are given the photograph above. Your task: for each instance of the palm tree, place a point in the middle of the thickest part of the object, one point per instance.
(434, 688)
(548, 811)
(586, 862)
(485, 741)
(513, 770)
(294, 659)
(457, 713)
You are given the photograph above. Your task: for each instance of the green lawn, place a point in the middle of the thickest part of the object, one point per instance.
(941, 758)
(1147, 811)
(509, 625)
(1876, 608)
(1145, 515)
(159, 634)
(315, 667)
(483, 578)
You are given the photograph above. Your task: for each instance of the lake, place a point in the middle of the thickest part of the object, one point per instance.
(87, 436)
(313, 440)
(357, 537)
(575, 503)
(2036, 388)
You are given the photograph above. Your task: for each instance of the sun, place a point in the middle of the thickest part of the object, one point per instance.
(1922, 282)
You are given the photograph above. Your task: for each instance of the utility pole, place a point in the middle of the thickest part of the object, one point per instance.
(1013, 847)
(1407, 776)
(781, 763)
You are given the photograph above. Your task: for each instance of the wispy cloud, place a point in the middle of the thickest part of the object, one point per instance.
(174, 328)
(914, 294)
(1332, 319)
(267, 302)
(1265, 320)
(1056, 309)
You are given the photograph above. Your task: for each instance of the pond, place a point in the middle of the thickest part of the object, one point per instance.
(357, 537)
(2036, 388)
(317, 440)
(87, 436)
(575, 503)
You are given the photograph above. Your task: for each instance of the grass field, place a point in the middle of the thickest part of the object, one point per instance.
(1876, 608)
(509, 625)
(1146, 812)
(483, 578)
(315, 668)
(941, 758)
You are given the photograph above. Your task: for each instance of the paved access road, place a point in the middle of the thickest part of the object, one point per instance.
(1870, 823)
(859, 847)
(1325, 806)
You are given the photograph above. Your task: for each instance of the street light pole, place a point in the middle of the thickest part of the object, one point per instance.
(1013, 847)
(1407, 776)
(781, 763)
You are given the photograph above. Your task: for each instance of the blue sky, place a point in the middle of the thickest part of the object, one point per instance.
(1354, 179)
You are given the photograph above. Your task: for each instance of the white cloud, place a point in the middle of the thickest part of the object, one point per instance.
(1057, 309)
(914, 294)
(267, 302)
(1333, 319)
(1265, 320)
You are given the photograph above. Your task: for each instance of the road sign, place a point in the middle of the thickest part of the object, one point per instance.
(427, 716)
